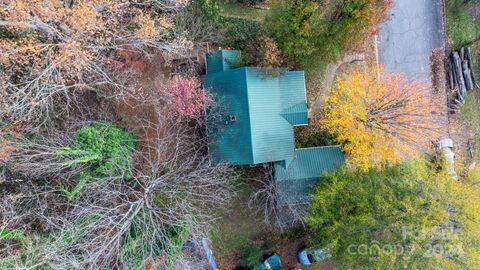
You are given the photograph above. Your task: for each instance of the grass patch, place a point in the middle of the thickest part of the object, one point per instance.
(314, 76)
(462, 27)
(237, 10)
(470, 112)
(470, 116)
(235, 228)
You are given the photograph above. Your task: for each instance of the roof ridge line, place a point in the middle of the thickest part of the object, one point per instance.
(245, 73)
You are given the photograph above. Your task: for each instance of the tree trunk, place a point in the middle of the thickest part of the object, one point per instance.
(462, 90)
(467, 76)
(470, 62)
(451, 82)
(453, 71)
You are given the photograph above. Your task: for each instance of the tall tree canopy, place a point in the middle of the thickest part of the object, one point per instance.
(380, 117)
(312, 30)
(401, 217)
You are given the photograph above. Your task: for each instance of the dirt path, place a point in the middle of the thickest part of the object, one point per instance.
(329, 79)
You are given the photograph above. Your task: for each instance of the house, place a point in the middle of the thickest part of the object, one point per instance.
(256, 121)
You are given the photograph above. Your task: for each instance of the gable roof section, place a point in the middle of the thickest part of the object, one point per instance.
(230, 141)
(221, 60)
(265, 108)
(295, 179)
(296, 115)
(272, 135)
(268, 98)
(292, 88)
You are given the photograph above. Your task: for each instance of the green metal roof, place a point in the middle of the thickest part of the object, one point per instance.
(230, 141)
(296, 115)
(295, 179)
(256, 122)
(222, 60)
(264, 110)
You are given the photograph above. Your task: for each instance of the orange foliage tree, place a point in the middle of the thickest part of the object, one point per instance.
(52, 48)
(381, 117)
(8, 133)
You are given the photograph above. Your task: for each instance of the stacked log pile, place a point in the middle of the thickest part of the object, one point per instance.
(461, 77)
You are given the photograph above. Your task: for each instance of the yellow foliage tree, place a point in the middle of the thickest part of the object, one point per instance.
(380, 117)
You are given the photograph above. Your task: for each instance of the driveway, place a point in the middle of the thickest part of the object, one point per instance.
(406, 40)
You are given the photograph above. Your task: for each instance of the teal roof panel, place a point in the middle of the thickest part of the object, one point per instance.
(296, 115)
(272, 136)
(295, 178)
(292, 88)
(265, 110)
(229, 135)
(222, 60)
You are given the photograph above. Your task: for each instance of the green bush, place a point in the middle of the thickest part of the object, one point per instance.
(407, 208)
(309, 31)
(239, 31)
(100, 150)
(295, 25)
(209, 10)
(252, 256)
(321, 138)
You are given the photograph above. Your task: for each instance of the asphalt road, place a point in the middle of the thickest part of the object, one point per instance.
(406, 40)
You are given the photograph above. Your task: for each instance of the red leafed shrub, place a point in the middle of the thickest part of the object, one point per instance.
(127, 56)
(187, 99)
(114, 64)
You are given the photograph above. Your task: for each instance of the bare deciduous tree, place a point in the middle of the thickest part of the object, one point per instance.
(69, 49)
(265, 201)
(116, 222)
